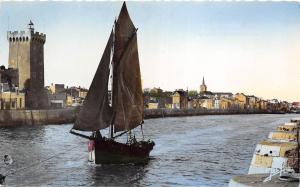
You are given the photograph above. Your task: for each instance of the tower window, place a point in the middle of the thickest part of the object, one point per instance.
(27, 38)
(13, 39)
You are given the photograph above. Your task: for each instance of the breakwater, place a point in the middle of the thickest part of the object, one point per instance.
(68, 115)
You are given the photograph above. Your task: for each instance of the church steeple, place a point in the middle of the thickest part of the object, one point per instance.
(203, 87)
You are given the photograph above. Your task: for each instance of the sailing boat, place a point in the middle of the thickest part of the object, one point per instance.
(125, 111)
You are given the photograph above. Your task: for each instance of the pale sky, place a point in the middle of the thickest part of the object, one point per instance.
(250, 47)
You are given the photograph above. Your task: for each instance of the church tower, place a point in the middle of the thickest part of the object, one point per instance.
(26, 55)
(203, 87)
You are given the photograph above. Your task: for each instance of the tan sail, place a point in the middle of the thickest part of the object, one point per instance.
(96, 113)
(127, 87)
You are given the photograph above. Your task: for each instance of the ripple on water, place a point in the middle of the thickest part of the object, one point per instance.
(189, 151)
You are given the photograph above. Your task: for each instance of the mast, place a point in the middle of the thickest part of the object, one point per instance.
(112, 80)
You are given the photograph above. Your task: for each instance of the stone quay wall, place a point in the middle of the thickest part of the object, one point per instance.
(37, 117)
(68, 115)
(158, 113)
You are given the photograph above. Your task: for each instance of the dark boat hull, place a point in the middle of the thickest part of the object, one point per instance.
(108, 151)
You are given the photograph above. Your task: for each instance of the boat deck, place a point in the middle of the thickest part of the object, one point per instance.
(257, 180)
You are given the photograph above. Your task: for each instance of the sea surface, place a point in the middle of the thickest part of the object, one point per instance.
(189, 151)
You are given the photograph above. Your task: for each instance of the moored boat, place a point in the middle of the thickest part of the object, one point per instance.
(275, 161)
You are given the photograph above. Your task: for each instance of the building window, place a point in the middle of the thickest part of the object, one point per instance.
(20, 102)
(13, 104)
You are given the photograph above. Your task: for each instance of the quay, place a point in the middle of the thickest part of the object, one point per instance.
(37, 117)
(68, 115)
(160, 113)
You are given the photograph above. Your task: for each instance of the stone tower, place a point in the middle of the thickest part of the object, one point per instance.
(26, 54)
(203, 87)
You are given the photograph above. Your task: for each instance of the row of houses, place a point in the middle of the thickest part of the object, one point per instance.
(60, 96)
(181, 99)
(11, 98)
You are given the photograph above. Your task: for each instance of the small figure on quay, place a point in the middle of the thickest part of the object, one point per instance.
(8, 160)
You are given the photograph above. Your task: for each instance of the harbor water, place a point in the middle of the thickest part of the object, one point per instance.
(189, 151)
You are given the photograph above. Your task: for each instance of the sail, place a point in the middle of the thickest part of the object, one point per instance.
(127, 87)
(124, 30)
(96, 113)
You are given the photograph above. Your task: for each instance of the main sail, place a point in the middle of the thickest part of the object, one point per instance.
(127, 87)
(96, 113)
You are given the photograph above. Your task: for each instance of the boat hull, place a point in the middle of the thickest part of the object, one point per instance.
(108, 151)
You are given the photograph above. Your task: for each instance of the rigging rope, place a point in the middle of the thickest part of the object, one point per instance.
(12, 171)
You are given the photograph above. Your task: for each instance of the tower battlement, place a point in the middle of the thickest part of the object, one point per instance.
(25, 36)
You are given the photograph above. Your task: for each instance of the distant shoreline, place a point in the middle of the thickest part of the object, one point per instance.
(12, 118)
(160, 113)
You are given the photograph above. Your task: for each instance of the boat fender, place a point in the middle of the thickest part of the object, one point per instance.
(91, 145)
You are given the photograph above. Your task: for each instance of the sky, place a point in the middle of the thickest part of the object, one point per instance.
(249, 47)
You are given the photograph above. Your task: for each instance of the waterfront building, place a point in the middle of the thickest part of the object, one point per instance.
(57, 96)
(83, 93)
(194, 103)
(180, 99)
(76, 95)
(69, 100)
(226, 103)
(26, 56)
(57, 100)
(263, 104)
(9, 76)
(241, 100)
(217, 103)
(206, 102)
(56, 88)
(223, 94)
(296, 105)
(11, 98)
(252, 102)
(168, 102)
(153, 105)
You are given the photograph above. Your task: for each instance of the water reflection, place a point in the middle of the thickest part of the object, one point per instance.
(117, 174)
